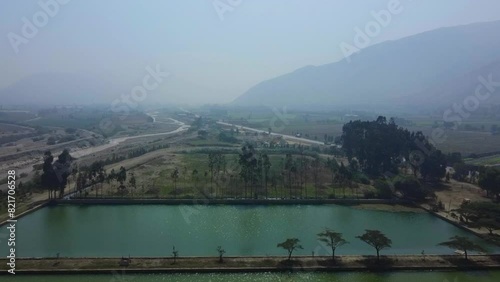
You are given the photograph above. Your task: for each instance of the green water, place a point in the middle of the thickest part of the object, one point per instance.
(244, 277)
(152, 230)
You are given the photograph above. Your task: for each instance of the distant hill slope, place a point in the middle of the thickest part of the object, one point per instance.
(458, 88)
(386, 72)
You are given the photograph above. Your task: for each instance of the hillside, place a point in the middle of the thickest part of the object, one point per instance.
(410, 67)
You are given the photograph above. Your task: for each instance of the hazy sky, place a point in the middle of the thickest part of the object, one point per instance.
(213, 59)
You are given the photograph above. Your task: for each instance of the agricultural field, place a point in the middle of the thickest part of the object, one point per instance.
(465, 139)
(486, 161)
(465, 142)
(16, 116)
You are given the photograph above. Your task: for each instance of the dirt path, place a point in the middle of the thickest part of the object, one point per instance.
(452, 196)
(244, 264)
(455, 192)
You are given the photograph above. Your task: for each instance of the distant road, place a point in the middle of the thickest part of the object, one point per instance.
(112, 143)
(286, 137)
(115, 141)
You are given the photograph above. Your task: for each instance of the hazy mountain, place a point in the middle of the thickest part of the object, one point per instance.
(415, 66)
(458, 88)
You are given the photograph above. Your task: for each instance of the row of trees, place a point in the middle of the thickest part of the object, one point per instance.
(57, 173)
(253, 174)
(333, 239)
(95, 176)
(293, 172)
(377, 240)
(374, 238)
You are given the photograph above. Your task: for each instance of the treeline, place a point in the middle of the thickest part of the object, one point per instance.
(95, 176)
(381, 147)
(252, 174)
(58, 173)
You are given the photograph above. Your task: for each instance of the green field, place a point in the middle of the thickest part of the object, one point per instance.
(490, 160)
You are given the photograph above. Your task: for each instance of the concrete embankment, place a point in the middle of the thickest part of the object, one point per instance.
(252, 264)
(124, 201)
(31, 208)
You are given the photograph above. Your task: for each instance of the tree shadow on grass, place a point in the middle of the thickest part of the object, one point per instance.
(495, 258)
(289, 264)
(372, 263)
(461, 262)
(330, 263)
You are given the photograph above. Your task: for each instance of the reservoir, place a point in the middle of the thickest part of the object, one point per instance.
(153, 230)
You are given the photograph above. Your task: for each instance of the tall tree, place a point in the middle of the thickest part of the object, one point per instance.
(266, 164)
(55, 174)
(332, 239)
(248, 167)
(175, 176)
(489, 180)
(195, 178)
(333, 166)
(48, 179)
(315, 168)
(132, 181)
(290, 245)
(462, 243)
(121, 177)
(376, 239)
(289, 167)
(344, 177)
(433, 167)
(62, 169)
(212, 163)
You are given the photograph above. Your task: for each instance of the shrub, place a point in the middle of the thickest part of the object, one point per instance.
(67, 138)
(369, 194)
(361, 178)
(39, 138)
(70, 130)
(383, 188)
(331, 196)
(410, 187)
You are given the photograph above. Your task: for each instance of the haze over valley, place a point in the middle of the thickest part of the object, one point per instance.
(233, 140)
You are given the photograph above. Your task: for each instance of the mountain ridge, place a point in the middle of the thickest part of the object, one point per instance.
(386, 71)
